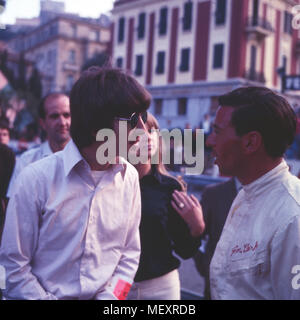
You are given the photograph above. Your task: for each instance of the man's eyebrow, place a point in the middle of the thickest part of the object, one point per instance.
(54, 114)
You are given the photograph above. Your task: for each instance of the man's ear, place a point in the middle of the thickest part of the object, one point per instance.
(252, 141)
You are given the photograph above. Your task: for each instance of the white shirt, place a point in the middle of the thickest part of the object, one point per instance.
(25, 159)
(260, 243)
(65, 237)
(97, 176)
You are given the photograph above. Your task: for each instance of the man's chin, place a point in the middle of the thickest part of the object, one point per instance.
(63, 139)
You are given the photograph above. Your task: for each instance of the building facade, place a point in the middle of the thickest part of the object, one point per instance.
(188, 52)
(60, 45)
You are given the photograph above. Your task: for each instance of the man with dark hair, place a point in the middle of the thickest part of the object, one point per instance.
(258, 254)
(72, 226)
(55, 119)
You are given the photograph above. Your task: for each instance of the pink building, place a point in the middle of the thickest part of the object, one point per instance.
(188, 52)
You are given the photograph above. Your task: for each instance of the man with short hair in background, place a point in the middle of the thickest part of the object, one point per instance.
(55, 119)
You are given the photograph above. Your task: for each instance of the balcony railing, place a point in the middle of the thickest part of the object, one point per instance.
(255, 76)
(68, 66)
(261, 27)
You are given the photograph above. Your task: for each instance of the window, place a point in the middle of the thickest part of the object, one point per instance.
(74, 30)
(95, 35)
(139, 65)
(185, 59)
(220, 12)
(158, 106)
(49, 56)
(182, 106)
(218, 56)
(53, 29)
(255, 10)
(160, 68)
(141, 26)
(187, 17)
(121, 30)
(163, 21)
(253, 53)
(284, 63)
(119, 62)
(287, 27)
(72, 56)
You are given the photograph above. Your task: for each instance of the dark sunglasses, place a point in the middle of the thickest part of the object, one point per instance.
(134, 118)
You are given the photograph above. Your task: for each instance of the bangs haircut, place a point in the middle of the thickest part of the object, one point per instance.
(100, 95)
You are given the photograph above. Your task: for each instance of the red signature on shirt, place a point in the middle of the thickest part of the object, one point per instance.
(247, 247)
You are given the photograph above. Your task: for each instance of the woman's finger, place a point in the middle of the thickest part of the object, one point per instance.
(179, 199)
(195, 200)
(176, 207)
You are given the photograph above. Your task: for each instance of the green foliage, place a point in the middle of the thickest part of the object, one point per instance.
(99, 60)
(30, 91)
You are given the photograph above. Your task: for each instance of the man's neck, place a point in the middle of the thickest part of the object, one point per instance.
(55, 147)
(257, 169)
(89, 154)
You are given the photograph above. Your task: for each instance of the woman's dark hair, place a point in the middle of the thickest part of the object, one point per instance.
(262, 110)
(152, 123)
(100, 95)
(7, 164)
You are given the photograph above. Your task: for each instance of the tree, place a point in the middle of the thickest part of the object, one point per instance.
(35, 84)
(9, 74)
(22, 85)
(99, 60)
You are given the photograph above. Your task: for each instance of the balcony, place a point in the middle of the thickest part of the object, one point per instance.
(259, 28)
(68, 66)
(255, 76)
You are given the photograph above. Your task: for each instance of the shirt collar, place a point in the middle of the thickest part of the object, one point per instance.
(261, 184)
(238, 185)
(71, 157)
(45, 149)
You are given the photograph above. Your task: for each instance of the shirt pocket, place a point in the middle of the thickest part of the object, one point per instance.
(257, 265)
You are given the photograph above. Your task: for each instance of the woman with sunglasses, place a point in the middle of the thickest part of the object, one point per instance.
(163, 232)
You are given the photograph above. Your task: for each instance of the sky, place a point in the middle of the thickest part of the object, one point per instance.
(31, 8)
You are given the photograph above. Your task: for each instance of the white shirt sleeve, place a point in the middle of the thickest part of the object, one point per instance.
(122, 279)
(18, 167)
(20, 238)
(285, 257)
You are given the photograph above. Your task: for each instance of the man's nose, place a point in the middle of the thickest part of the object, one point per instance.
(62, 120)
